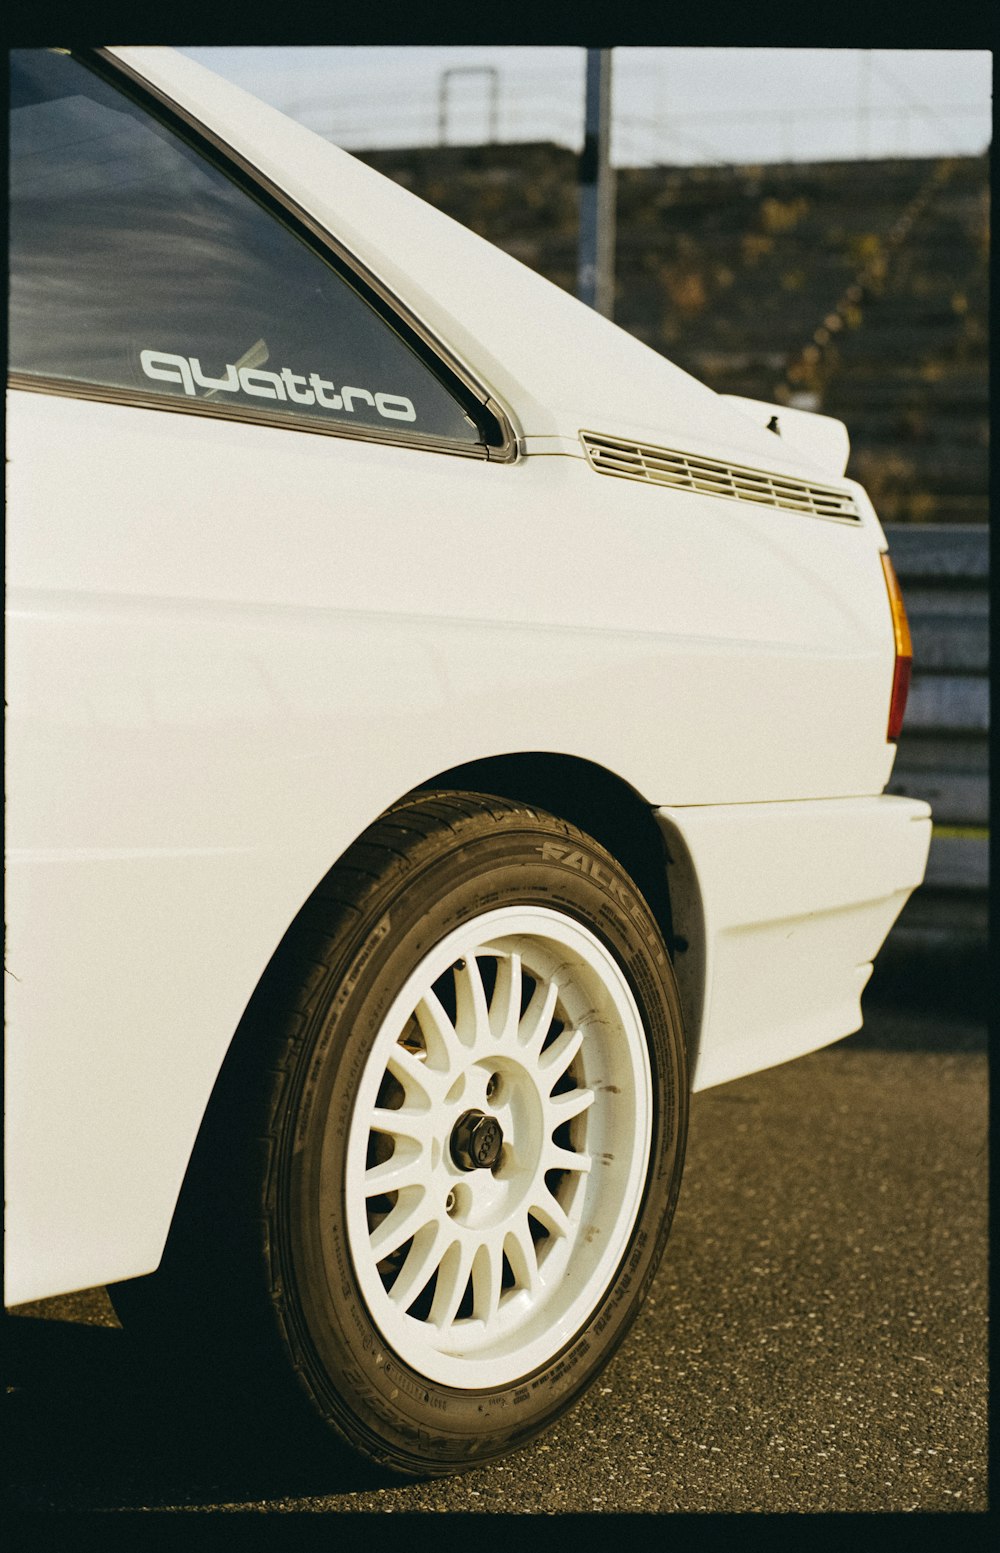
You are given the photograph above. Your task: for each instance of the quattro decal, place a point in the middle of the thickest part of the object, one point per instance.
(285, 385)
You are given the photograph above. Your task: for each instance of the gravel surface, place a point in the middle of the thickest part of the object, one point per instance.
(815, 1339)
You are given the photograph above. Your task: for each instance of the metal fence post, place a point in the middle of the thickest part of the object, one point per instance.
(596, 266)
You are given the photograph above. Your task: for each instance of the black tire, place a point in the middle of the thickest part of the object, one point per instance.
(261, 1271)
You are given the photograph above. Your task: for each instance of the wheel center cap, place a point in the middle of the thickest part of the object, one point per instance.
(476, 1141)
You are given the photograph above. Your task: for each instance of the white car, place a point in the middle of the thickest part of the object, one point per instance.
(441, 735)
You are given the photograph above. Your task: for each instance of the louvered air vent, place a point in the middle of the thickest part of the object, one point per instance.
(712, 477)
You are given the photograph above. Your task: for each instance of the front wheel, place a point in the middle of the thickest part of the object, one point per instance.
(475, 1127)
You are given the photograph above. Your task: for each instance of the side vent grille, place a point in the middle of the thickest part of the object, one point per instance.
(712, 477)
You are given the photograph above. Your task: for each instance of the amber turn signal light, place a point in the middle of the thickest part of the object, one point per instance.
(904, 650)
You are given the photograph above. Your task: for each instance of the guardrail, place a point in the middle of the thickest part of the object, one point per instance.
(943, 752)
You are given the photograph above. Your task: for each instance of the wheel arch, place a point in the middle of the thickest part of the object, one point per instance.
(587, 795)
(580, 791)
(574, 789)
(610, 809)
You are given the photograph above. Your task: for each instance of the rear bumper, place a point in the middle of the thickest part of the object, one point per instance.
(783, 908)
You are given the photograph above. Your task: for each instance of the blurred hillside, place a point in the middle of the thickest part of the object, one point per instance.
(855, 288)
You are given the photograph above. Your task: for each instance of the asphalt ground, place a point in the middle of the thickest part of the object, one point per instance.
(815, 1339)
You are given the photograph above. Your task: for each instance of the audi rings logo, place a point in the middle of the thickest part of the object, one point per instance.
(487, 1142)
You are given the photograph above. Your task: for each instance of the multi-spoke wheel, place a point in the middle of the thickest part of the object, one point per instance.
(473, 1115)
(498, 1151)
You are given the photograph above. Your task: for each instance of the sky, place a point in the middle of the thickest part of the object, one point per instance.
(675, 105)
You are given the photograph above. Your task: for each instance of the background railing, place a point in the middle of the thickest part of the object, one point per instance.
(943, 752)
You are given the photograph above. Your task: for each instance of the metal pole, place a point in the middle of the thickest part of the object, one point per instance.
(864, 102)
(596, 266)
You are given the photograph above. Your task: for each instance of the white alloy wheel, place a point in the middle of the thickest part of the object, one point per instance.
(498, 1151)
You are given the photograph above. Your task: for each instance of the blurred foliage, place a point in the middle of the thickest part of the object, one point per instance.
(778, 216)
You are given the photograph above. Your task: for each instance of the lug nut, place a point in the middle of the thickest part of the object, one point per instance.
(476, 1141)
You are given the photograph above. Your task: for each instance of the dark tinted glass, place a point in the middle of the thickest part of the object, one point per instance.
(137, 264)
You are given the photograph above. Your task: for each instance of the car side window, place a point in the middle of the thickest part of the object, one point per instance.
(137, 264)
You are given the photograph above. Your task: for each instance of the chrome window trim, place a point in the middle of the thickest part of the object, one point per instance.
(504, 452)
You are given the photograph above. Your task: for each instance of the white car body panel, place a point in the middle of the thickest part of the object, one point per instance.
(230, 646)
(786, 906)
